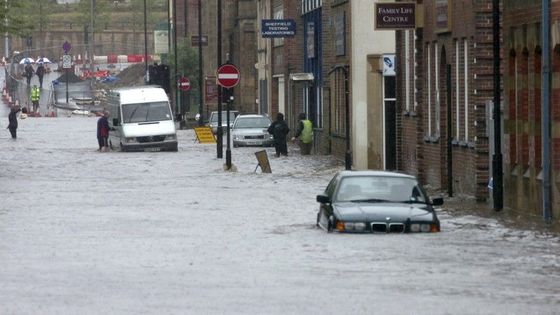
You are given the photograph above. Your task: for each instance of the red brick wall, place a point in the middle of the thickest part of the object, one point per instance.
(426, 154)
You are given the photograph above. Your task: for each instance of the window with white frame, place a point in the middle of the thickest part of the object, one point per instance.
(466, 86)
(437, 113)
(457, 91)
(407, 69)
(429, 87)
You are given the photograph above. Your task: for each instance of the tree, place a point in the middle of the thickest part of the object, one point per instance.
(15, 23)
(35, 17)
(137, 17)
(102, 14)
(187, 65)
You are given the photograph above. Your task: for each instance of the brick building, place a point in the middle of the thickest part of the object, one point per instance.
(444, 72)
(523, 106)
(238, 44)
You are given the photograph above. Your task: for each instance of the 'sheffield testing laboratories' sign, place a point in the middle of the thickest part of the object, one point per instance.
(278, 28)
(395, 16)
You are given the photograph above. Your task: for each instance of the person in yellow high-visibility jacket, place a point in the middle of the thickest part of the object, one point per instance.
(304, 134)
(35, 95)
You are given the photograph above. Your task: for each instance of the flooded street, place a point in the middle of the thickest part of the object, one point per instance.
(173, 233)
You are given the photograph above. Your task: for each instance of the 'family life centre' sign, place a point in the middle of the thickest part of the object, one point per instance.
(395, 16)
(278, 28)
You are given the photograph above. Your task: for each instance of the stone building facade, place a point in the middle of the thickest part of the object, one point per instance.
(329, 70)
(445, 90)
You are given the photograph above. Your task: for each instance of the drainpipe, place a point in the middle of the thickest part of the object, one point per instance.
(498, 191)
(546, 122)
(449, 132)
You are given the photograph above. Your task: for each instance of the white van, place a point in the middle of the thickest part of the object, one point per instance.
(142, 120)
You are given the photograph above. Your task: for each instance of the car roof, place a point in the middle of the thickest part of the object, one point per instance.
(379, 173)
(251, 116)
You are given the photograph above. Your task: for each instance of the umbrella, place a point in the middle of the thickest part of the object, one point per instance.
(43, 60)
(26, 60)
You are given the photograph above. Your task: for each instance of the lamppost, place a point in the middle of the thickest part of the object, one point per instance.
(200, 98)
(220, 133)
(497, 176)
(176, 71)
(146, 71)
(92, 39)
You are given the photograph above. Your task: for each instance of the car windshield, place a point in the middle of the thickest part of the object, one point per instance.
(146, 112)
(380, 189)
(214, 117)
(252, 122)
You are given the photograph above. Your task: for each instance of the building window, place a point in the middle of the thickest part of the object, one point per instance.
(429, 87)
(457, 91)
(278, 14)
(537, 108)
(338, 98)
(466, 86)
(407, 69)
(512, 108)
(437, 91)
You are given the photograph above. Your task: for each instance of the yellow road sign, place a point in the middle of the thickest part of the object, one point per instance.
(204, 134)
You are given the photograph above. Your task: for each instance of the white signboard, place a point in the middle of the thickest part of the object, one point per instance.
(161, 42)
(66, 61)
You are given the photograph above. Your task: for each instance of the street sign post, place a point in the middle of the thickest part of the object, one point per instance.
(184, 84)
(66, 64)
(228, 76)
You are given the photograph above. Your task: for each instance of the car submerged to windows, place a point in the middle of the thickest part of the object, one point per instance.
(376, 202)
(251, 130)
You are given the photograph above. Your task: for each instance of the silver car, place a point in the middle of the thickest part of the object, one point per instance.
(251, 130)
(213, 120)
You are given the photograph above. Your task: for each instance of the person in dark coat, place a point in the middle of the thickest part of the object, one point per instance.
(40, 72)
(103, 131)
(13, 123)
(279, 130)
(28, 72)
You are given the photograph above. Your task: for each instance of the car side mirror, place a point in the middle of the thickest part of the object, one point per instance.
(323, 198)
(115, 121)
(437, 201)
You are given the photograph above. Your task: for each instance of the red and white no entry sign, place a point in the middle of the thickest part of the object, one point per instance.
(184, 84)
(228, 76)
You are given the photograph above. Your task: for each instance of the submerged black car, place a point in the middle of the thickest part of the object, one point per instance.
(376, 202)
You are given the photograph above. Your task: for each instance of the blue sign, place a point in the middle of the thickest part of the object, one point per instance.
(278, 28)
(66, 46)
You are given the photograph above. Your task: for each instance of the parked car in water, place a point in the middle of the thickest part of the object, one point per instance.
(251, 130)
(376, 202)
(213, 120)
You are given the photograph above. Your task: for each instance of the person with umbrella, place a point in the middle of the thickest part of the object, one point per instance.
(40, 72)
(28, 72)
